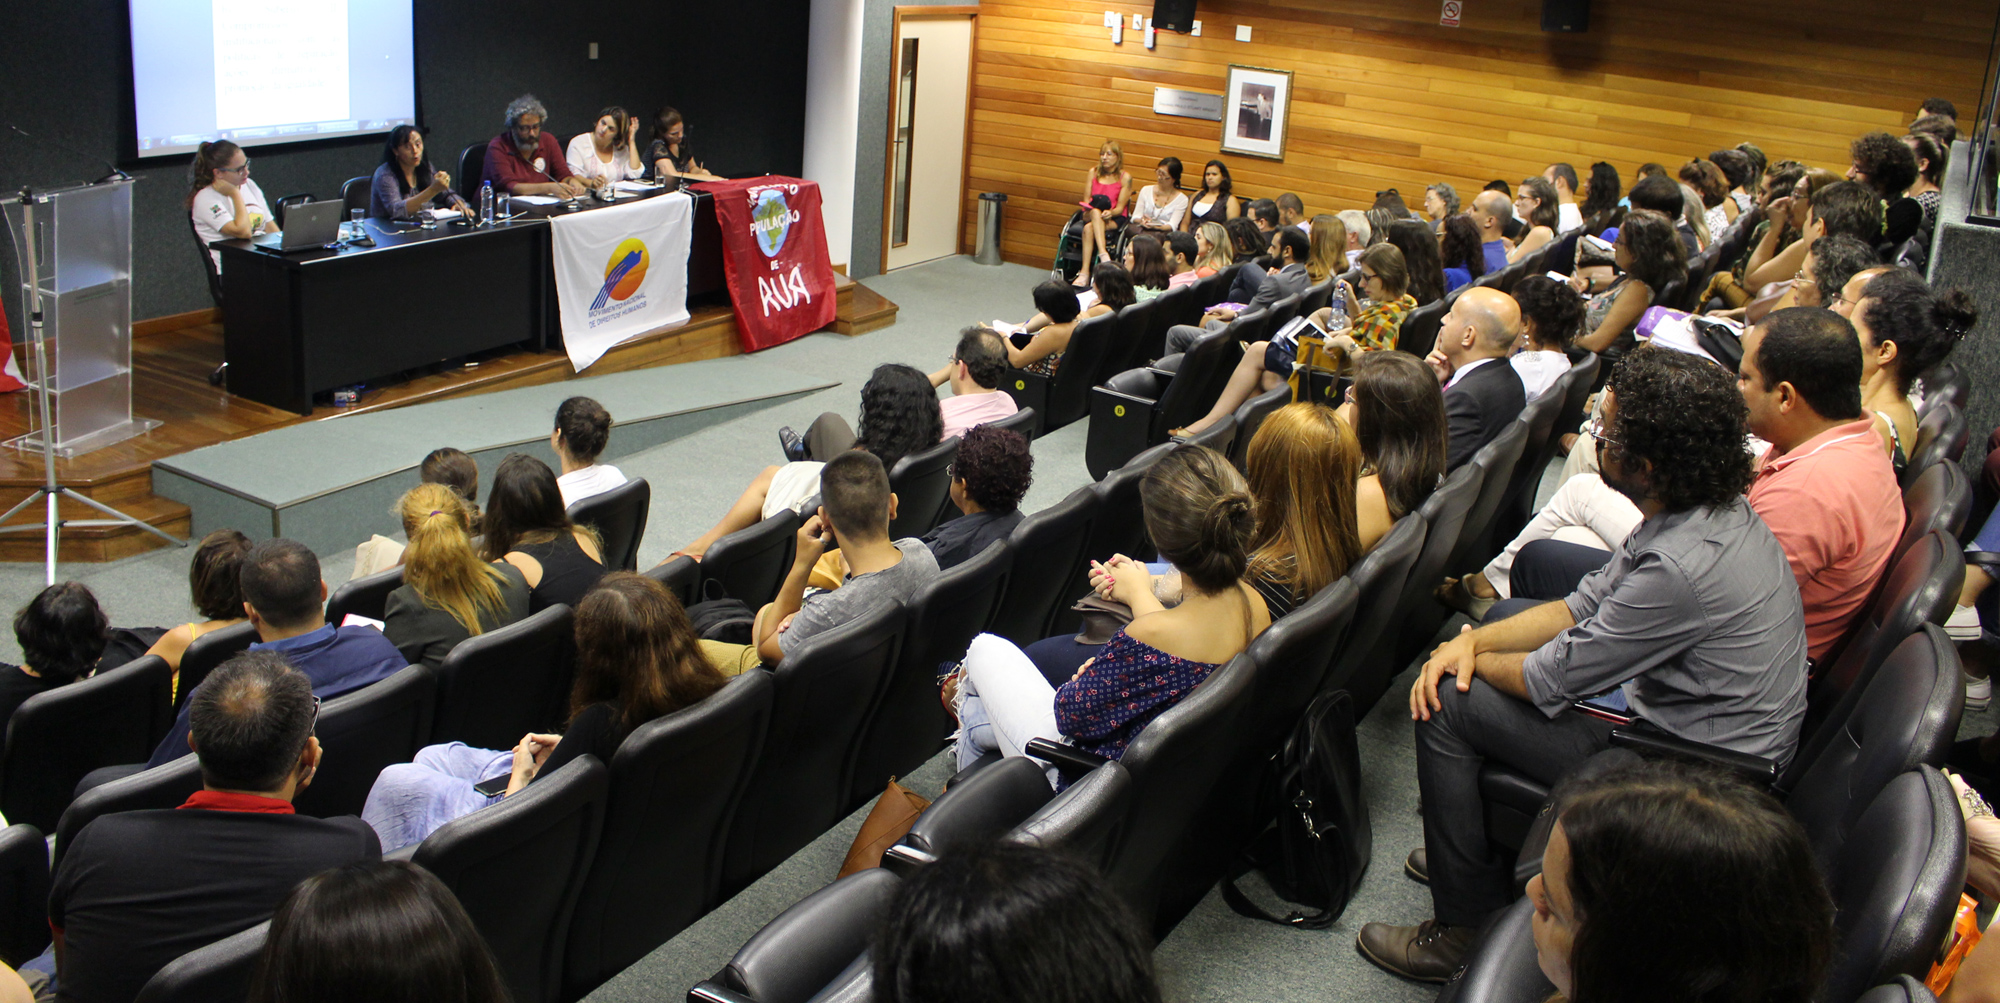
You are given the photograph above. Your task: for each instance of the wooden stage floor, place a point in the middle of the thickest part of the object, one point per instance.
(170, 383)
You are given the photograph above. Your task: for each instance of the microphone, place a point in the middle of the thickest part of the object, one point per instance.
(116, 172)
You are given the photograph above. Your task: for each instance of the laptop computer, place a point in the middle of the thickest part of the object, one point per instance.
(309, 226)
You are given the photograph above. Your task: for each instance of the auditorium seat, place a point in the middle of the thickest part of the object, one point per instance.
(285, 202)
(1136, 409)
(354, 194)
(1250, 417)
(1317, 298)
(1419, 331)
(681, 575)
(1497, 461)
(158, 788)
(751, 563)
(471, 167)
(619, 516)
(1064, 397)
(808, 945)
(517, 866)
(676, 783)
(983, 806)
(1502, 966)
(1084, 820)
(365, 730)
(218, 973)
(910, 725)
(1921, 586)
(1940, 498)
(1118, 528)
(1023, 423)
(921, 482)
(1896, 885)
(367, 597)
(206, 652)
(24, 894)
(1587, 373)
(1210, 291)
(1518, 500)
(1699, 268)
(1945, 382)
(207, 266)
(1219, 436)
(57, 736)
(1941, 436)
(827, 686)
(505, 683)
(1418, 616)
(1379, 577)
(1903, 989)
(1048, 548)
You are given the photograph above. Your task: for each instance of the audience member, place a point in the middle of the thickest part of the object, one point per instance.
(1216, 202)
(1292, 211)
(1888, 168)
(855, 510)
(1183, 250)
(1758, 164)
(1290, 249)
(1380, 218)
(989, 476)
(669, 158)
(1263, 214)
(448, 594)
(1942, 128)
(974, 374)
(1440, 204)
(1551, 316)
(217, 594)
(1696, 620)
(1905, 329)
(1932, 158)
(1694, 214)
(583, 428)
(1510, 227)
(223, 202)
(900, 414)
(1397, 412)
(1490, 212)
(1198, 514)
(1107, 187)
(1537, 204)
(388, 932)
(447, 466)
(1359, 232)
(1601, 208)
(1247, 239)
(1711, 875)
(1160, 205)
(637, 659)
(405, 183)
(527, 527)
(1216, 250)
(1385, 283)
(1039, 345)
(1146, 262)
(1774, 258)
(138, 889)
(1482, 393)
(1459, 252)
(1660, 194)
(1328, 257)
(61, 632)
(609, 152)
(1003, 923)
(1713, 190)
(524, 160)
(1420, 259)
(1937, 106)
(1302, 466)
(283, 595)
(1652, 258)
(1829, 264)
(1562, 180)
(1738, 174)
(1113, 285)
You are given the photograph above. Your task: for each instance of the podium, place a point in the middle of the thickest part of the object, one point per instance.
(82, 261)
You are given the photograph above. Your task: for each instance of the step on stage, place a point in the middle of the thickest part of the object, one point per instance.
(170, 383)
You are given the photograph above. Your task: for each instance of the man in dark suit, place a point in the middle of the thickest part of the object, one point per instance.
(1482, 392)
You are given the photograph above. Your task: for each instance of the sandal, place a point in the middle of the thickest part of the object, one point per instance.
(951, 691)
(1452, 592)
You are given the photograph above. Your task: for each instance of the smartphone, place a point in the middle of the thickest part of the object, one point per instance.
(493, 787)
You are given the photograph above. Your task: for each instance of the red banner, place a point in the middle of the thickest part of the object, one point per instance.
(774, 254)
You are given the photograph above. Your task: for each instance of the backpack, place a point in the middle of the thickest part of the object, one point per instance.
(1317, 849)
(720, 618)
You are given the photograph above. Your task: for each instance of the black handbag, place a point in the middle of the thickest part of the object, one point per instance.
(1317, 849)
(720, 618)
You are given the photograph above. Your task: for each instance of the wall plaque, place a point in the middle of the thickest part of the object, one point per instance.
(1187, 104)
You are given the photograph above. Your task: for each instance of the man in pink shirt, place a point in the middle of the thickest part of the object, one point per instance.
(974, 373)
(1825, 487)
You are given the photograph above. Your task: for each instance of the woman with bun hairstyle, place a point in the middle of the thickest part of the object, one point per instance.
(448, 593)
(1905, 329)
(1199, 514)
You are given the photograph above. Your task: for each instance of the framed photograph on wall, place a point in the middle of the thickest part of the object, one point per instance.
(1256, 112)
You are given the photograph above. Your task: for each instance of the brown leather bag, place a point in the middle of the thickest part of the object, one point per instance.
(890, 820)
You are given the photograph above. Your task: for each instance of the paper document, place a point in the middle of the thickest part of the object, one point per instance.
(536, 199)
(635, 186)
(1005, 329)
(445, 214)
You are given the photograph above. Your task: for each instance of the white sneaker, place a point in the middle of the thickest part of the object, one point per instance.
(1963, 624)
(1978, 693)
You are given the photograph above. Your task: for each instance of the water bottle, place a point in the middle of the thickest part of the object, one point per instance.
(486, 203)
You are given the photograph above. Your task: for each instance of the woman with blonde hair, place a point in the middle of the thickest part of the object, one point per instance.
(448, 593)
(1329, 248)
(1302, 467)
(1217, 250)
(1106, 189)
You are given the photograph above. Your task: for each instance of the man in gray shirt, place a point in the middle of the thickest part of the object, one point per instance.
(854, 513)
(1290, 250)
(1695, 623)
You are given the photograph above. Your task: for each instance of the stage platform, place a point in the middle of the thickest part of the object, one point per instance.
(170, 383)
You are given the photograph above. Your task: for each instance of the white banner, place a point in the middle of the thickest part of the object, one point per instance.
(621, 272)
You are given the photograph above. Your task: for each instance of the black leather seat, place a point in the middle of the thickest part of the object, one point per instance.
(471, 165)
(828, 685)
(1250, 417)
(984, 805)
(1379, 577)
(1025, 423)
(1082, 821)
(1497, 462)
(206, 652)
(751, 563)
(1419, 332)
(1118, 528)
(505, 683)
(922, 484)
(1586, 373)
(910, 724)
(1896, 885)
(517, 867)
(286, 202)
(1316, 298)
(366, 730)
(1502, 966)
(675, 785)
(809, 945)
(1517, 503)
(1945, 382)
(619, 516)
(367, 597)
(1940, 498)
(1418, 616)
(1903, 989)
(218, 973)
(1941, 436)
(1169, 310)
(24, 894)
(208, 266)
(681, 575)
(1093, 348)
(1219, 436)
(160, 787)
(354, 194)
(1136, 409)
(1048, 548)
(57, 736)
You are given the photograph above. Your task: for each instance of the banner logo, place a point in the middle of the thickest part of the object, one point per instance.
(623, 273)
(771, 220)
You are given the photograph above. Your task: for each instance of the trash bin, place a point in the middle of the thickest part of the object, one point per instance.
(987, 251)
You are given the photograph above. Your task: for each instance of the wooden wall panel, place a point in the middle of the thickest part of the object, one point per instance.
(1385, 97)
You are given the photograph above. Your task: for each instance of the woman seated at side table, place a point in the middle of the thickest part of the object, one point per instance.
(405, 184)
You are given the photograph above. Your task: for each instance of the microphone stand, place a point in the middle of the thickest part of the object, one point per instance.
(52, 490)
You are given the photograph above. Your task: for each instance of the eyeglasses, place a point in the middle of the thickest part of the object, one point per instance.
(1596, 431)
(315, 720)
(240, 169)
(1367, 275)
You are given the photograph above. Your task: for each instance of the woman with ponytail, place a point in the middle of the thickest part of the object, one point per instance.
(448, 593)
(1906, 329)
(222, 200)
(1199, 514)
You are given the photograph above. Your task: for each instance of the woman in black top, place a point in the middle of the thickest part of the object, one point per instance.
(1214, 203)
(62, 633)
(669, 158)
(527, 527)
(1888, 168)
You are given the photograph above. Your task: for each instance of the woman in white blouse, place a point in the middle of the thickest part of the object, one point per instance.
(609, 152)
(1161, 204)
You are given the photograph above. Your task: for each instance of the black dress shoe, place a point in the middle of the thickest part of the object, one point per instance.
(1427, 952)
(789, 441)
(1418, 866)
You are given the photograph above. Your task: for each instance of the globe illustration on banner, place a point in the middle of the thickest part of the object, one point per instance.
(626, 269)
(770, 220)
